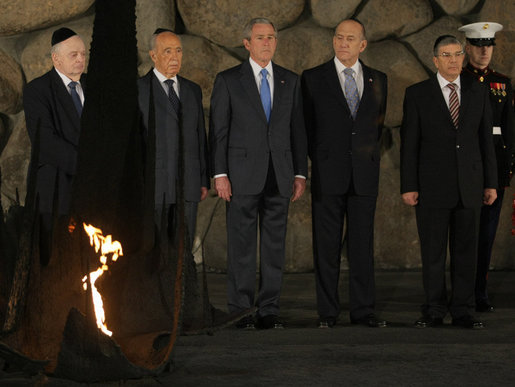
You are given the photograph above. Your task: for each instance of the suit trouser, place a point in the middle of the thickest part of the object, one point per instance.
(244, 213)
(487, 230)
(329, 213)
(190, 213)
(457, 226)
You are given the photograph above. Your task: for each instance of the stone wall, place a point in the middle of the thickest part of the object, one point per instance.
(400, 32)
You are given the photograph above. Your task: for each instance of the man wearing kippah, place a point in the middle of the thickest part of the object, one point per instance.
(53, 106)
(480, 44)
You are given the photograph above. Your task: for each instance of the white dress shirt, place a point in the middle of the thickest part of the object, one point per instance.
(256, 69)
(78, 87)
(162, 79)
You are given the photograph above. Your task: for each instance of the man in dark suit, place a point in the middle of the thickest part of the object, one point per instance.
(53, 106)
(479, 48)
(448, 170)
(259, 161)
(175, 99)
(344, 105)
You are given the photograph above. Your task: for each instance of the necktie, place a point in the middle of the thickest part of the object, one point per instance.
(75, 97)
(172, 95)
(265, 94)
(351, 91)
(454, 104)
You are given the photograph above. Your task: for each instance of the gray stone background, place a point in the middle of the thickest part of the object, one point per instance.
(400, 34)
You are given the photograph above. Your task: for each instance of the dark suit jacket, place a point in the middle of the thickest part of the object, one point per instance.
(341, 148)
(241, 139)
(48, 104)
(444, 164)
(167, 138)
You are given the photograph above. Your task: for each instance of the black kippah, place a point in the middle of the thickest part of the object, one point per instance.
(161, 30)
(442, 37)
(61, 35)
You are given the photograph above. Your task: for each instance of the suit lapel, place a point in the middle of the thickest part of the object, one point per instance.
(248, 82)
(279, 85)
(437, 96)
(186, 93)
(161, 97)
(63, 98)
(368, 88)
(186, 96)
(333, 84)
(465, 100)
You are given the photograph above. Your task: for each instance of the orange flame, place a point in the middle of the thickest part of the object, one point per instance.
(106, 246)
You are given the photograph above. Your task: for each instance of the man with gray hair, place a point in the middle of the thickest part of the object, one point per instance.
(259, 163)
(53, 107)
(177, 105)
(448, 171)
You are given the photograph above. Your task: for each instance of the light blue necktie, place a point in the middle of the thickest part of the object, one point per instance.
(351, 92)
(266, 99)
(75, 97)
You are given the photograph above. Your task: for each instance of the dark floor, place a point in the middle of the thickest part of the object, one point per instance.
(348, 355)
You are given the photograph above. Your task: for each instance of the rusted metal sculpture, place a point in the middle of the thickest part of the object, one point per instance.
(48, 316)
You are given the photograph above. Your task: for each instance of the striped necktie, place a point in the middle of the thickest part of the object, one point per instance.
(454, 104)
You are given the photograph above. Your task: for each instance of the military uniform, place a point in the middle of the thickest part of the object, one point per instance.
(501, 98)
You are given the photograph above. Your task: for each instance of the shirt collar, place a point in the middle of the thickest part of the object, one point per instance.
(340, 67)
(162, 78)
(256, 68)
(65, 79)
(444, 82)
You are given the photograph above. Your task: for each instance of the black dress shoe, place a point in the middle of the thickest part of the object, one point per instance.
(370, 320)
(246, 323)
(270, 321)
(326, 322)
(467, 322)
(484, 307)
(428, 322)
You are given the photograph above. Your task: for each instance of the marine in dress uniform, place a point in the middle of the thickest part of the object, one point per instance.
(480, 41)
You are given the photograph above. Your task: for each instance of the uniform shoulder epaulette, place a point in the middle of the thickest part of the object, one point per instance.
(499, 74)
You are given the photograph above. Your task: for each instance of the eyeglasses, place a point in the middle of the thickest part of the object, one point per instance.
(448, 55)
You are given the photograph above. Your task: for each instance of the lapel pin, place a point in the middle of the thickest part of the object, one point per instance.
(370, 80)
(282, 82)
